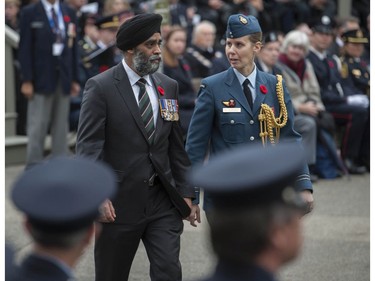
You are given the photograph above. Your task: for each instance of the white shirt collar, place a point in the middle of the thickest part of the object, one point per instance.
(47, 6)
(320, 55)
(251, 77)
(133, 76)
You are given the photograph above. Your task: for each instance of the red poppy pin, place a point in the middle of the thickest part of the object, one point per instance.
(66, 18)
(263, 89)
(161, 90)
(331, 64)
(103, 68)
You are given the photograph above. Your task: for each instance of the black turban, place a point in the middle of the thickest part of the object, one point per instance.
(136, 30)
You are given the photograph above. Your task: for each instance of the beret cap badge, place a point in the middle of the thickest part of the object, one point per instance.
(243, 20)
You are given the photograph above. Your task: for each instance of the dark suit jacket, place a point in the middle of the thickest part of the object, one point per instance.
(111, 129)
(35, 268)
(35, 50)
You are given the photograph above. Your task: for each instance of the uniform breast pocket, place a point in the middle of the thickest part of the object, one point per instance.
(233, 128)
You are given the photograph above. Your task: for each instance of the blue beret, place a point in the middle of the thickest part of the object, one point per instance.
(241, 25)
(137, 29)
(251, 175)
(63, 194)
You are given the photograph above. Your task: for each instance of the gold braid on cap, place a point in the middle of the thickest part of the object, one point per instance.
(267, 119)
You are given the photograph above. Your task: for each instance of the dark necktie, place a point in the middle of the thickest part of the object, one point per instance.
(56, 27)
(145, 109)
(247, 93)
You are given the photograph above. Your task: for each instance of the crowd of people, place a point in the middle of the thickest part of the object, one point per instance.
(331, 102)
(241, 72)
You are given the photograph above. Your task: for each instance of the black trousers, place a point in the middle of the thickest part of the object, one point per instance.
(160, 230)
(356, 139)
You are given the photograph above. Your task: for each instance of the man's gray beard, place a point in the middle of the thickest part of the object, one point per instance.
(143, 65)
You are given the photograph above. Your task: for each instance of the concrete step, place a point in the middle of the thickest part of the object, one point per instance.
(15, 148)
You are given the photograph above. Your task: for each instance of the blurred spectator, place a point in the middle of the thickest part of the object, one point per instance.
(342, 25)
(87, 63)
(48, 56)
(112, 7)
(355, 74)
(361, 10)
(319, 8)
(176, 67)
(183, 15)
(316, 126)
(268, 56)
(216, 12)
(289, 13)
(348, 109)
(76, 5)
(202, 50)
(258, 8)
(12, 8)
(108, 55)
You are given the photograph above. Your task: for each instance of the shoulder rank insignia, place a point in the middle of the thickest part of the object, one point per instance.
(230, 103)
(169, 109)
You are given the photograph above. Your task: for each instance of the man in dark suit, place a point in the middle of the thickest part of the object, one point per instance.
(229, 112)
(129, 119)
(256, 214)
(49, 67)
(60, 199)
(349, 108)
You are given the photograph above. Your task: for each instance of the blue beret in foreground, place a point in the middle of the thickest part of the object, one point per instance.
(63, 194)
(240, 25)
(249, 175)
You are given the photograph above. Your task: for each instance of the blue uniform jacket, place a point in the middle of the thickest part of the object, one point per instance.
(213, 130)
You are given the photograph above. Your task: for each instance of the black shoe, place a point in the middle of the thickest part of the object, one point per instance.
(353, 168)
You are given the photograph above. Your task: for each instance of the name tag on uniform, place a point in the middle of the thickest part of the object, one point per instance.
(169, 109)
(57, 49)
(231, 109)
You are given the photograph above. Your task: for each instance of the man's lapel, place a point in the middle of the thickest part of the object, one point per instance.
(159, 121)
(125, 90)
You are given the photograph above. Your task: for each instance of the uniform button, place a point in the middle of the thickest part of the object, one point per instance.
(232, 121)
(251, 122)
(251, 138)
(145, 181)
(150, 154)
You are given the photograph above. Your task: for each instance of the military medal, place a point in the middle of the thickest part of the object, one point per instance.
(169, 109)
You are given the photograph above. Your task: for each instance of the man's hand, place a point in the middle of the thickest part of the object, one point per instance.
(307, 197)
(194, 214)
(74, 90)
(27, 89)
(107, 212)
